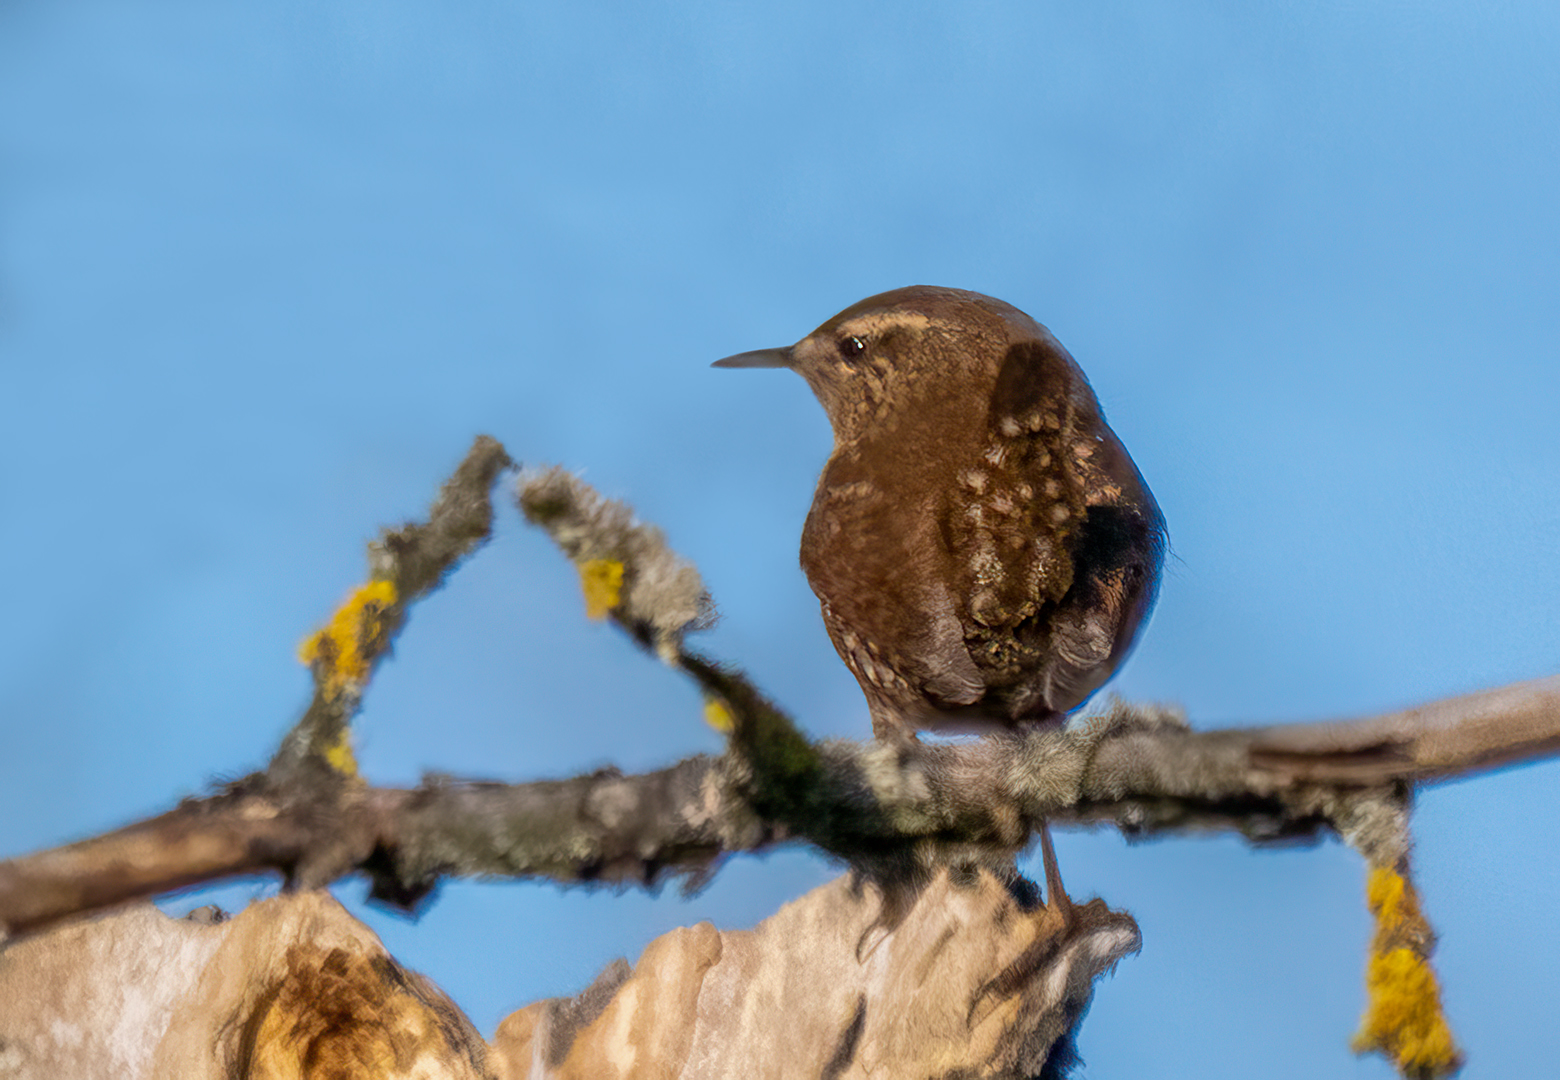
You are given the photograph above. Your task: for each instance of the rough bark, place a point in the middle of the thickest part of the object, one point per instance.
(294, 987)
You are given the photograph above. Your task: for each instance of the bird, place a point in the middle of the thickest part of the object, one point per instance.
(983, 549)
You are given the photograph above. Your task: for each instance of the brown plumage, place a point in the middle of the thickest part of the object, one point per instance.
(983, 548)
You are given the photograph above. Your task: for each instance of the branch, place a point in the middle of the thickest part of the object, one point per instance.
(880, 806)
(404, 565)
(607, 828)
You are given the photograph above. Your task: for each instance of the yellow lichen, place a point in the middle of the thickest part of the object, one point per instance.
(1384, 890)
(718, 716)
(340, 652)
(1403, 1018)
(602, 580)
(339, 755)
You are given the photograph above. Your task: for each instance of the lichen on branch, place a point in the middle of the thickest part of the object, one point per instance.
(405, 564)
(626, 568)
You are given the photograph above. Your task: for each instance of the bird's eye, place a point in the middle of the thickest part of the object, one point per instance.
(852, 347)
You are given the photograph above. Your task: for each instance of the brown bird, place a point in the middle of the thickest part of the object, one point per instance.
(983, 548)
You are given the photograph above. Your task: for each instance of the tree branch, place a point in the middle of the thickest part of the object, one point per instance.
(608, 828)
(873, 804)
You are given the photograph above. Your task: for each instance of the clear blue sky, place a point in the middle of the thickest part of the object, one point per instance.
(266, 268)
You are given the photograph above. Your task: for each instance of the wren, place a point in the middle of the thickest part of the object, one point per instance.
(983, 548)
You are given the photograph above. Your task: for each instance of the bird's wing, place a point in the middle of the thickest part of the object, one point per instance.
(1012, 510)
(1059, 540)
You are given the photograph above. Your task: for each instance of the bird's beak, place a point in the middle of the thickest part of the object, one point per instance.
(759, 358)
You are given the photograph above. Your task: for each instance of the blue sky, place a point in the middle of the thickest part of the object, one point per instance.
(265, 269)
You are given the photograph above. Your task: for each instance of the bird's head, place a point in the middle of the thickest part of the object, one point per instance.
(903, 350)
